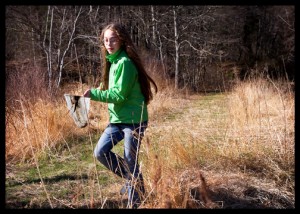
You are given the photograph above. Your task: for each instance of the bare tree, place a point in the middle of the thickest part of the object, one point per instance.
(61, 59)
(188, 40)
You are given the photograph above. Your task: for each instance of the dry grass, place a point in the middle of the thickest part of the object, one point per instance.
(40, 125)
(241, 143)
(44, 125)
(262, 122)
(245, 137)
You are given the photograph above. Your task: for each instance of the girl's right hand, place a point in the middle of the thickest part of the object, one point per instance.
(87, 93)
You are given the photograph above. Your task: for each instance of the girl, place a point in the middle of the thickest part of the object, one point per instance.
(126, 87)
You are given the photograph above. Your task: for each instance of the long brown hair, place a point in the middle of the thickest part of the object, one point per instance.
(127, 44)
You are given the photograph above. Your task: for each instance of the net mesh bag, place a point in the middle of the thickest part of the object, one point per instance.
(79, 107)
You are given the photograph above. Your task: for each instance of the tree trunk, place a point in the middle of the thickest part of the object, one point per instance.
(176, 49)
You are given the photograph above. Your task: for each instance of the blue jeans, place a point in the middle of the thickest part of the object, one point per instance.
(126, 167)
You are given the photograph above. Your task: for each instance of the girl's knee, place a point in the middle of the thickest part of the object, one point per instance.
(99, 154)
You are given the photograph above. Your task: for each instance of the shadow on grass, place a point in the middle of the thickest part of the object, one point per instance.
(109, 204)
(250, 197)
(253, 198)
(53, 179)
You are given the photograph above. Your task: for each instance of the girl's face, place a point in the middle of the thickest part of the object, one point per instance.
(111, 41)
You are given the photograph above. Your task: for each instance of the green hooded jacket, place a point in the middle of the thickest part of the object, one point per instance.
(124, 97)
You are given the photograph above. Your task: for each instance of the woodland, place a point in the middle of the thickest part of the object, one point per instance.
(199, 47)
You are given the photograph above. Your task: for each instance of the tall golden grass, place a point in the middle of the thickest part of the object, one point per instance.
(262, 127)
(250, 129)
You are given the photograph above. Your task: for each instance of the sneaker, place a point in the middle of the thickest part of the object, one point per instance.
(136, 206)
(124, 189)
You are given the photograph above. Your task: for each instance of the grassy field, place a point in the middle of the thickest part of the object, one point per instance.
(239, 145)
